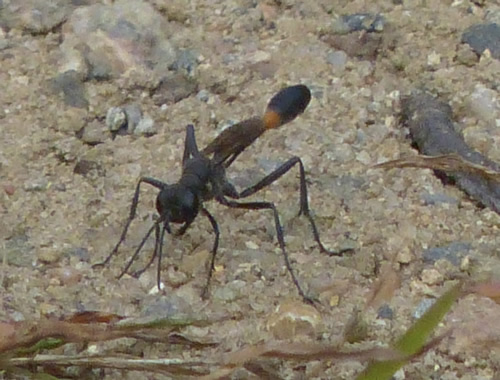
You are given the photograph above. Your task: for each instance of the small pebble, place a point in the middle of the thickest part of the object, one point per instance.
(484, 103)
(465, 264)
(432, 276)
(337, 58)
(145, 127)
(116, 118)
(187, 61)
(334, 300)
(466, 56)
(47, 308)
(452, 252)
(433, 59)
(17, 316)
(364, 157)
(251, 245)
(88, 167)
(49, 255)
(203, 96)
(368, 22)
(437, 198)
(154, 289)
(175, 277)
(94, 133)
(385, 312)
(9, 189)
(80, 252)
(399, 375)
(133, 112)
(66, 276)
(294, 318)
(41, 184)
(258, 56)
(404, 257)
(422, 307)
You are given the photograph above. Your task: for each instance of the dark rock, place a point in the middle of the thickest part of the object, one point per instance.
(88, 168)
(174, 88)
(483, 36)
(71, 85)
(359, 45)
(80, 252)
(385, 312)
(368, 22)
(453, 252)
(186, 62)
(432, 130)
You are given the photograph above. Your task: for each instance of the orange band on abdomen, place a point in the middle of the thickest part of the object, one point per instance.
(271, 119)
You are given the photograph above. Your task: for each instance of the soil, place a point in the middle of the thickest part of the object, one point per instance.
(55, 222)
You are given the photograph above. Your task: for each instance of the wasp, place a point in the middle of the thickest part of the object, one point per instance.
(204, 178)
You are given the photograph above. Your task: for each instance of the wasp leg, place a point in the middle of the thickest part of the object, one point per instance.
(279, 233)
(133, 209)
(211, 268)
(304, 203)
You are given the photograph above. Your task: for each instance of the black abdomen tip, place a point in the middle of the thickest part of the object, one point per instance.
(290, 102)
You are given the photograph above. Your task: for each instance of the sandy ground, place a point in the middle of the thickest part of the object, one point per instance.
(56, 223)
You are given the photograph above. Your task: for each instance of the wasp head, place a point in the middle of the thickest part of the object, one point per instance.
(177, 204)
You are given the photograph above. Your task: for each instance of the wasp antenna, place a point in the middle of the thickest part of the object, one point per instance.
(286, 105)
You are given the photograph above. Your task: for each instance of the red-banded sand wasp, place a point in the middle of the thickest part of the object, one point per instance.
(204, 178)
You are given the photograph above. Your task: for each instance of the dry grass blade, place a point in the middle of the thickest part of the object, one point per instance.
(88, 317)
(92, 327)
(488, 289)
(24, 334)
(384, 288)
(447, 162)
(308, 351)
(297, 351)
(177, 367)
(264, 370)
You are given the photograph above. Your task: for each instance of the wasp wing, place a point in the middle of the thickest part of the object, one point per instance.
(233, 140)
(283, 107)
